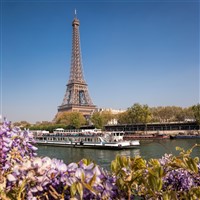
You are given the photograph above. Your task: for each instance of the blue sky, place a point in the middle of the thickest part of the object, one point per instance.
(132, 51)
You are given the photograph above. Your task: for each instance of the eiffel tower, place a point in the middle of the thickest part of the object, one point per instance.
(77, 98)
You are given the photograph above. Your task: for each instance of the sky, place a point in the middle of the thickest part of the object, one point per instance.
(143, 52)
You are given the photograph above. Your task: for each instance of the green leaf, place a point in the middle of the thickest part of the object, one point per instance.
(114, 166)
(73, 189)
(79, 187)
(179, 149)
(92, 181)
(89, 187)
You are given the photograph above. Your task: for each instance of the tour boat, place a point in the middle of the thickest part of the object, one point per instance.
(85, 139)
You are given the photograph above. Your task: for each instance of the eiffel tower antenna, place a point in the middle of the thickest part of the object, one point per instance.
(77, 97)
(75, 14)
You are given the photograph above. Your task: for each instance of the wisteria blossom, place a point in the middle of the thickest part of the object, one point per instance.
(22, 170)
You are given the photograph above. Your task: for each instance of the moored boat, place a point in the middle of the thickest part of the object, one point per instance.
(86, 139)
(146, 136)
(184, 136)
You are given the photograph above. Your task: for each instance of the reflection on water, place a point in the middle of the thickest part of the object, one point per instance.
(101, 157)
(130, 153)
(148, 149)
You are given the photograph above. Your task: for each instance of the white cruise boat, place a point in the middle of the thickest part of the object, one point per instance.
(85, 139)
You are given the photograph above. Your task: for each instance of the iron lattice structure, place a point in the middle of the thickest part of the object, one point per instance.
(77, 97)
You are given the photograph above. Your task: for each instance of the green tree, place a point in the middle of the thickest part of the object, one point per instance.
(97, 120)
(107, 116)
(76, 119)
(196, 111)
(138, 114)
(171, 113)
(72, 119)
(22, 124)
(100, 119)
(122, 118)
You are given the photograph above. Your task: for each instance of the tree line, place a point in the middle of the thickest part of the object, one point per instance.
(137, 113)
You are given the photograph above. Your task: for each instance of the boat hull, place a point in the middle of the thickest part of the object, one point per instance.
(185, 137)
(146, 137)
(111, 146)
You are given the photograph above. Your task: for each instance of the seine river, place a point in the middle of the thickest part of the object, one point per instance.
(148, 149)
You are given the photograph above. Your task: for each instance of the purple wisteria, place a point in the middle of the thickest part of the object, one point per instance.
(27, 176)
(15, 145)
(180, 180)
(52, 179)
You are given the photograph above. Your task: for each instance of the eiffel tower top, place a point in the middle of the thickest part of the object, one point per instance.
(76, 70)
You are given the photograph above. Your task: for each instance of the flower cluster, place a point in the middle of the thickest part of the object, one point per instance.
(51, 179)
(165, 159)
(179, 180)
(30, 177)
(179, 176)
(15, 147)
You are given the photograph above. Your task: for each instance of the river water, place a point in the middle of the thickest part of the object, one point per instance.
(148, 149)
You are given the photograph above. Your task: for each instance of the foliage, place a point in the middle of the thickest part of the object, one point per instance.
(171, 113)
(23, 175)
(97, 120)
(100, 119)
(22, 124)
(50, 127)
(196, 111)
(72, 119)
(167, 178)
(122, 118)
(143, 114)
(138, 114)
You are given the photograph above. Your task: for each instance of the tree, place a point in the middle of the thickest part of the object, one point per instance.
(196, 111)
(100, 119)
(22, 124)
(138, 114)
(72, 119)
(97, 120)
(76, 119)
(107, 116)
(168, 113)
(122, 118)
(171, 113)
